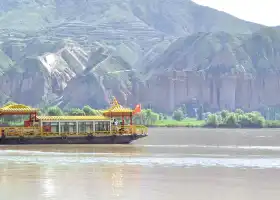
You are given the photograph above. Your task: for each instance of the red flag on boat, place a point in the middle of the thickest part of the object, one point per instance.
(137, 109)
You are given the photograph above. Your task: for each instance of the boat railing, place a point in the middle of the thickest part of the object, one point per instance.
(36, 131)
(129, 129)
(20, 131)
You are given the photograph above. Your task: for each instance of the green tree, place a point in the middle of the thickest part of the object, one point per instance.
(200, 112)
(76, 112)
(239, 111)
(257, 120)
(96, 112)
(213, 120)
(160, 116)
(244, 120)
(231, 120)
(88, 110)
(178, 115)
(224, 114)
(184, 108)
(138, 118)
(148, 115)
(54, 111)
(154, 117)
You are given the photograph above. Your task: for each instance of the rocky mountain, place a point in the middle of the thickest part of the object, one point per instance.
(72, 53)
(221, 70)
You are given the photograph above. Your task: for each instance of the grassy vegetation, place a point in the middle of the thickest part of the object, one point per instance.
(192, 122)
(188, 122)
(273, 124)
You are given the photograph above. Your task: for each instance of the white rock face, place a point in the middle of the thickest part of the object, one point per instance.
(71, 76)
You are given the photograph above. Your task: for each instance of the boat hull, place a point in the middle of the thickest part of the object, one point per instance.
(114, 139)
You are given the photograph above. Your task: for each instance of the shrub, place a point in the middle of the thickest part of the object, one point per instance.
(178, 115)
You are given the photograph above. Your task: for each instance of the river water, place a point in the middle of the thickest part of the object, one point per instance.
(181, 164)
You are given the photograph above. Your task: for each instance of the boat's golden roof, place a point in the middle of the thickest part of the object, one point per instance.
(58, 118)
(117, 108)
(17, 108)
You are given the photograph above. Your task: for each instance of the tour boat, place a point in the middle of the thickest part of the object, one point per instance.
(71, 129)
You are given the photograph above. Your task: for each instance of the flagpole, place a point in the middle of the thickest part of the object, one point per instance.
(141, 115)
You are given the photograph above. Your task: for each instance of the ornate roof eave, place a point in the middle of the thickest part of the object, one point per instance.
(71, 118)
(17, 109)
(119, 110)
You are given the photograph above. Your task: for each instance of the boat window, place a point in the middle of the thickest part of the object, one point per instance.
(46, 123)
(82, 127)
(102, 126)
(72, 127)
(68, 127)
(46, 126)
(86, 127)
(54, 127)
(64, 127)
(89, 126)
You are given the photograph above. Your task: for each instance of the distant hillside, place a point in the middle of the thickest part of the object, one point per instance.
(100, 48)
(170, 17)
(184, 17)
(221, 70)
(222, 53)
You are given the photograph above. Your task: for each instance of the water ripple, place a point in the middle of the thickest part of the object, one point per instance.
(28, 153)
(274, 148)
(146, 161)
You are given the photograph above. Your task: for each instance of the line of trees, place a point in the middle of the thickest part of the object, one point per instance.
(56, 111)
(240, 119)
(226, 119)
(147, 116)
(237, 119)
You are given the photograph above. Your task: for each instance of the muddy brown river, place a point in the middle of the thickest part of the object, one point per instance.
(181, 164)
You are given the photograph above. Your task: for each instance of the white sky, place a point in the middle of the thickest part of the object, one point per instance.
(265, 12)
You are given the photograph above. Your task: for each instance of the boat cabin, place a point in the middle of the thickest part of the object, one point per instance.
(75, 124)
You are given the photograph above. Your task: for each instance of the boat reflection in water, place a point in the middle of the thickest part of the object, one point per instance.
(48, 183)
(57, 170)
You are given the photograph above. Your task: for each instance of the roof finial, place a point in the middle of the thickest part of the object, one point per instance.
(115, 102)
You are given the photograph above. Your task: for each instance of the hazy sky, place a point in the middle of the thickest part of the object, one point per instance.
(265, 12)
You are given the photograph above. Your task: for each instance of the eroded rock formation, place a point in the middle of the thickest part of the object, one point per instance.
(171, 90)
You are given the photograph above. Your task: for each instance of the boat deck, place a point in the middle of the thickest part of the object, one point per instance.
(37, 131)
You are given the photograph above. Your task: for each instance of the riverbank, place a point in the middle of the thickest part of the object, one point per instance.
(194, 123)
(190, 122)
